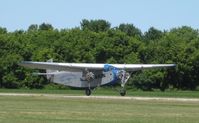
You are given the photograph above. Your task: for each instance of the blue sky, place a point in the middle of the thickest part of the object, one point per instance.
(161, 14)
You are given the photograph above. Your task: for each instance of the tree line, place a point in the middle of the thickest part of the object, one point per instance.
(95, 41)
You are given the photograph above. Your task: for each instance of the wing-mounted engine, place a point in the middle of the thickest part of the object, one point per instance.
(123, 76)
(120, 75)
(87, 76)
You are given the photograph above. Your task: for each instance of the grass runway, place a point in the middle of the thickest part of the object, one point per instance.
(42, 109)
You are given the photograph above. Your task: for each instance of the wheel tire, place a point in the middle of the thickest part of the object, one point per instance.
(122, 92)
(88, 92)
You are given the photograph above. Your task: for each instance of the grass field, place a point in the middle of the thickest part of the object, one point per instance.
(40, 109)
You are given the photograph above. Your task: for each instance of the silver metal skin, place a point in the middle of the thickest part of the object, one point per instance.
(88, 75)
(82, 66)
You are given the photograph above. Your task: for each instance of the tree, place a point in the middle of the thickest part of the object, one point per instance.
(95, 41)
(153, 34)
(3, 30)
(45, 26)
(95, 25)
(33, 27)
(130, 30)
(147, 80)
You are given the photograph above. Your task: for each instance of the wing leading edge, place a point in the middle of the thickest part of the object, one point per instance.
(89, 66)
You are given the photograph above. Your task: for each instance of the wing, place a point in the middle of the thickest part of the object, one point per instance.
(82, 66)
(62, 66)
(136, 67)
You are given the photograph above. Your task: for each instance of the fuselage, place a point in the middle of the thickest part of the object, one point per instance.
(76, 79)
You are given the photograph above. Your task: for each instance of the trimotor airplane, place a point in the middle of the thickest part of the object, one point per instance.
(89, 75)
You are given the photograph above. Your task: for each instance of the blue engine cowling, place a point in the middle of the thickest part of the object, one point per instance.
(115, 72)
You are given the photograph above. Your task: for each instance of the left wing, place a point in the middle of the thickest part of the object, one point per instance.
(62, 66)
(90, 66)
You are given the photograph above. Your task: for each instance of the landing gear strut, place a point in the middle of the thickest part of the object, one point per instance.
(124, 76)
(88, 91)
(89, 77)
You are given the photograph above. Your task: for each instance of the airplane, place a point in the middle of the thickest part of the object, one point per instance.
(89, 75)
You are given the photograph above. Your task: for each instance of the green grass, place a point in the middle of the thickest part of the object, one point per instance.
(40, 109)
(109, 91)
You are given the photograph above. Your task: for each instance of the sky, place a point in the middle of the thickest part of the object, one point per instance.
(161, 14)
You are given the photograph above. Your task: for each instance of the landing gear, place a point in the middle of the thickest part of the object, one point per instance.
(88, 92)
(89, 77)
(123, 76)
(122, 92)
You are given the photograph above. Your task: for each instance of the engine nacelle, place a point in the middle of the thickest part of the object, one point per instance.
(89, 76)
(123, 75)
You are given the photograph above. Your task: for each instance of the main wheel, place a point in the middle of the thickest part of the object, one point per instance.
(88, 92)
(122, 92)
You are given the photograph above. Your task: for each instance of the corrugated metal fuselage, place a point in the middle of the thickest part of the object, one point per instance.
(75, 79)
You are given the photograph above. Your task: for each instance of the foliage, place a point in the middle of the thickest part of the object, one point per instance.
(96, 42)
